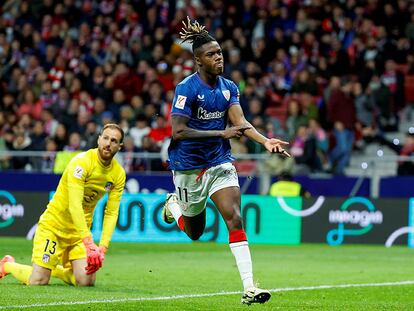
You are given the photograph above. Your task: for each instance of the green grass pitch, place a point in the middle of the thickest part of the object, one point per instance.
(176, 277)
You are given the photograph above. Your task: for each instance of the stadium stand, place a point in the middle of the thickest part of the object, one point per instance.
(72, 65)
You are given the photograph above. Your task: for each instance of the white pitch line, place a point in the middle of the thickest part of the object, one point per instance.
(274, 290)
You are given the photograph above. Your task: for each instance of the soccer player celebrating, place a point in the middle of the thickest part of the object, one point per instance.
(63, 246)
(200, 155)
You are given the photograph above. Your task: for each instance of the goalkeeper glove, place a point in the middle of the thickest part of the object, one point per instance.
(90, 269)
(94, 256)
(93, 268)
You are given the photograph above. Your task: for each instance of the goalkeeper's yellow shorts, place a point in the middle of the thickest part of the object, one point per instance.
(51, 248)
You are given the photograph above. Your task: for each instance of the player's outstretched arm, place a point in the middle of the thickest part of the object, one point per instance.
(273, 145)
(182, 131)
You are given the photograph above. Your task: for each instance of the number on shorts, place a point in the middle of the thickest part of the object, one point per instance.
(180, 194)
(52, 248)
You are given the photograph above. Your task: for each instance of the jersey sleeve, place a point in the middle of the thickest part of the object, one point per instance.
(182, 102)
(112, 209)
(76, 177)
(234, 94)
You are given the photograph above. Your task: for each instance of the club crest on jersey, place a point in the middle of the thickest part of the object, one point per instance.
(45, 258)
(226, 94)
(108, 186)
(180, 103)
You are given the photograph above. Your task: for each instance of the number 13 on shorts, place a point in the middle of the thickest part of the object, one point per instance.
(50, 246)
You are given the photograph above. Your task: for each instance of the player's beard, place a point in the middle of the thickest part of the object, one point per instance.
(105, 153)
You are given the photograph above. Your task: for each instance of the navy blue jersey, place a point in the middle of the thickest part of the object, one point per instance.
(206, 107)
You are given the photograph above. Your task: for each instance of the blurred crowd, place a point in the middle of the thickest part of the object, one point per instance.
(317, 73)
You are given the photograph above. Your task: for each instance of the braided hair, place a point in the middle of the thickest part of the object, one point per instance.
(195, 34)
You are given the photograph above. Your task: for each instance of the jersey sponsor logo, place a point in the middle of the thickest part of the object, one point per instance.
(108, 186)
(205, 115)
(226, 94)
(180, 103)
(200, 97)
(78, 172)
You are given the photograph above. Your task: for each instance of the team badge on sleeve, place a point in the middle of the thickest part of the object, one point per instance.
(180, 103)
(226, 94)
(78, 172)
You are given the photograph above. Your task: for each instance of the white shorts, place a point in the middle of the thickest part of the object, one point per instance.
(193, 187)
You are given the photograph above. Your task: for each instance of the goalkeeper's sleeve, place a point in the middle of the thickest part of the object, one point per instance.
(111, 212)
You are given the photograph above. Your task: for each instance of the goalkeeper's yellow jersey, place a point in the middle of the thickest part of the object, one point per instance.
(85, 181)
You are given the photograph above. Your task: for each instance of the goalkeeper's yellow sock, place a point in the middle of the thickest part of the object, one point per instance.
(65, 274)
(20, 272)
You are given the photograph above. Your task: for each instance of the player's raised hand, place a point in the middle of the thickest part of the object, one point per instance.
(235, 131)
(274, 145)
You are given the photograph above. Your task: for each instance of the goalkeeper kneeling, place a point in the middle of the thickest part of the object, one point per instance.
(63, 246)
